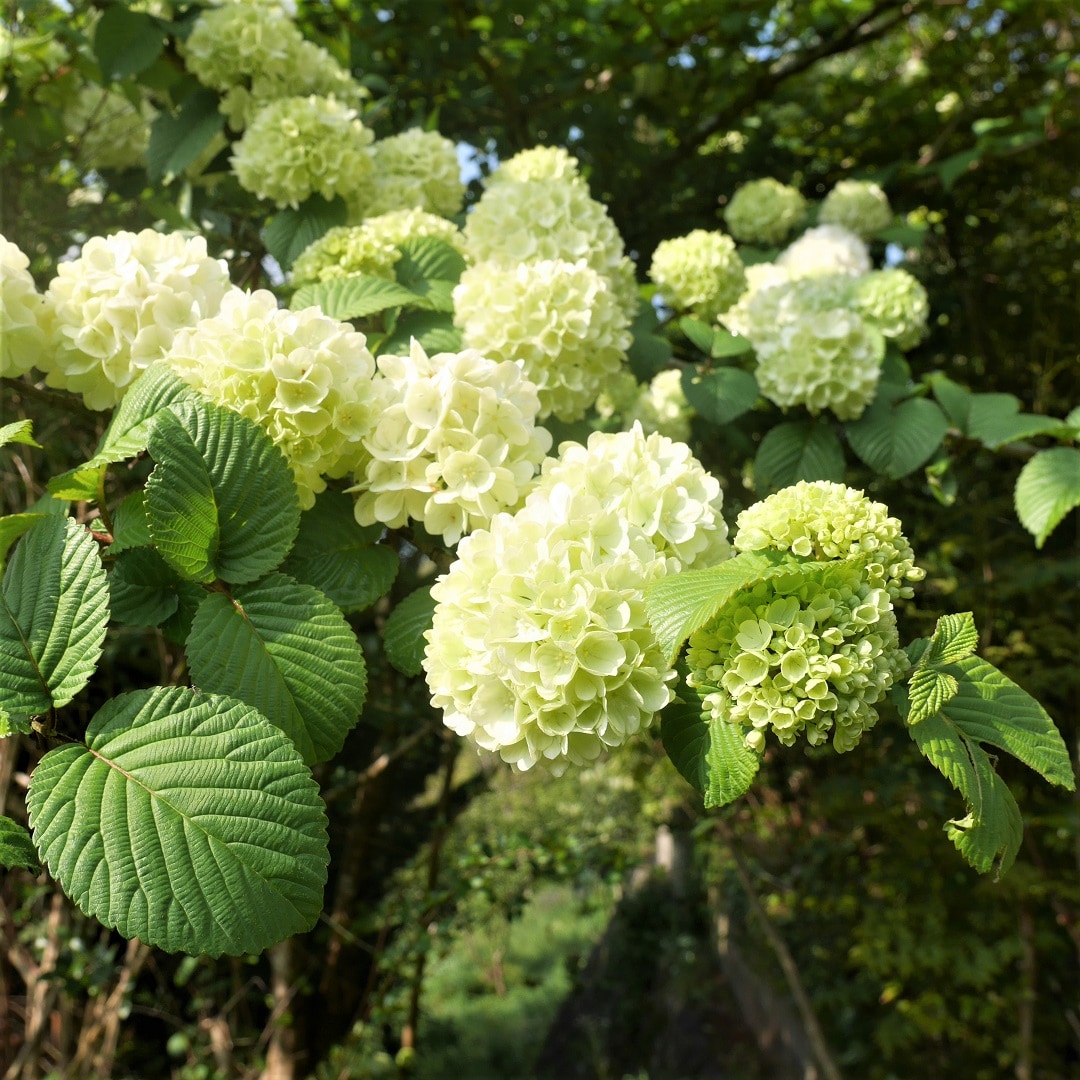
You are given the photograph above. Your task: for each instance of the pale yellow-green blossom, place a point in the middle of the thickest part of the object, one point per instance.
(759, 276)
(22, 339)
(858, 205)
(414, 170)
(106, 130)
(826, 249)
(764, 212)
(455, 442)
(305, 379)
(660, 405)
(700, 272)
(538, 163)
(896, 303)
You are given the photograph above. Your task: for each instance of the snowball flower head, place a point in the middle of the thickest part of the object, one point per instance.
(659, 406)
(109, 132)
(764, 212)
(827, 249)
(700, 272)
(820, 520)
(896, 303)
(117, 308)
(524, 221)
(372, 248)
(416, 169)
(305, 379)
(799, 657)
(759, 276)
(538, 163)
(299, 146)
(22, 339)
(857, 205)
(560, 320)
(454, 443)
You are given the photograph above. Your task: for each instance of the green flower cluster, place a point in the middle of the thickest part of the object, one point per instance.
(372, 248)
(538, 163)
(764, 212)
(560, 320)
(857, 205)
(896, 303)
(297, 146)
(414, 170)
(107, 130)
(700, 272)
(659, 406)
(22, 339)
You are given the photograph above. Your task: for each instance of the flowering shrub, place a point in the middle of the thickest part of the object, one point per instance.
(116, 309)
(306, 380)
(416, 169)
(764, 212)
(298, 146)
(107, 130)
(22, 339)
(700, 272)
(560, 320)
(827, 249)
(857, 205)
(896, 303)
(454, 443)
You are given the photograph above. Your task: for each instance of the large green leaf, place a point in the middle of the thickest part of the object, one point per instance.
(794, 451)
(131, 529)
(894, 440)
(187, 820)
(176, 141)
(1047, 488)
(339, 557)
(221, 500)
(54, 608)
(16, 847)
(286, 650)
(732, 764)
(144, 590)
(953, 398)
(427, 258)
(403, 635)
(12, 527)
(434, 330)
(289, 231)
(720, 395)
(649, 354)
(684, 731)
(352, 297)
(996, 419)
(126, 42)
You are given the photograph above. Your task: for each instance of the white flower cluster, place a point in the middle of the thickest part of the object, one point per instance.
(659, 406)
(700, 272)
(455, 442)
(827, 249)
(759, 276)
(809, 655)
(414, 170)
(540, 647)
(764, 212)
(559, 320)
(116, 309)
(538, 163)
(22, 339)
(305, 379)
(298, 146)
(896, 303)
(372, 248)
(108, 131)
(812, 347)
(857, 205)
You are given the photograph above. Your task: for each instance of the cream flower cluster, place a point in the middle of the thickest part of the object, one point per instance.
(520, 221)
(826, 249)
(305, 379)
(759, 276)
(659, 406)
(372, 248)
(22, 339)
(297, 146)
(896, 303)
(820, 520)
(107, 130)
(559, 320)
(857, 205)
(540, 647)
(455, 442)
(764, 212)
(116, 309)
(700, 272)
(416, 169)
(812, 348)
(799, 657)
(538, 163)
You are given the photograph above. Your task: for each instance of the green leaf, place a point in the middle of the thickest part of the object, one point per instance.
(648, 355)
(143, 588)
(732, 764)
(22, 431)
(12, 527)
(684, 731)
(954, 399)
(950, 169)
(794, 451)
(16, 847)
(928, 691)
(187, 820)
(338, 557)
(427, 258)
(53, 612)
(895, 440)
(14, 724)
(289, 231)
(286, 650)
(403, 635)
(131, 527)
(721, 395)
(352, 297)
(1047, 488)
(126, 42)
(995, 419)
(433, 329)
(954, 638)
(700, 334)
(682, 603)
(176, 141)
(221, 499)
(725, 343)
